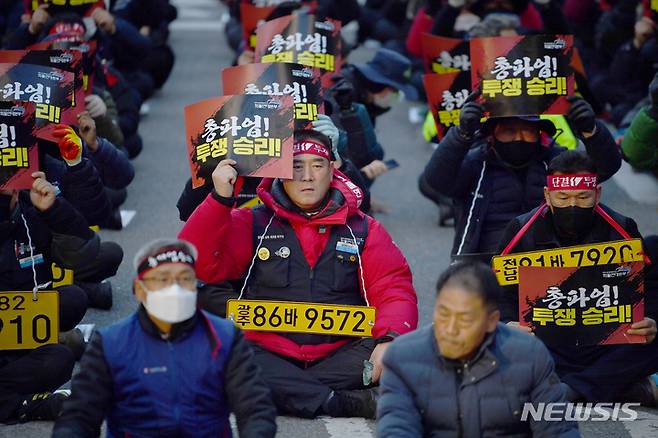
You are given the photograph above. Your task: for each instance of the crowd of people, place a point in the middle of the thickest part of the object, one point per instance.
(82, 183)
(180, 366)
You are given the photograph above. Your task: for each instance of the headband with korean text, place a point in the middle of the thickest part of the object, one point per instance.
(167, 254)
(584, 181)
(311, 147)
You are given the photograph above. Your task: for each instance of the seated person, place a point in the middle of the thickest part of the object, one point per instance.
(496, 171)
(168, 369)
(308, 242)
(467, 374)
(58, 233)
(640, 142)
(570, 218)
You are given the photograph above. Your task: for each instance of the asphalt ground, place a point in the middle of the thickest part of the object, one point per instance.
(161, 171)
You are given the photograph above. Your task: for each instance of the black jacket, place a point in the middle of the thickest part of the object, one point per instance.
(487, 194)
(60, 234)
(91, 390)
(542, 235)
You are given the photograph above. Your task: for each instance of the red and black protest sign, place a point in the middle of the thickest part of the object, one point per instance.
(587, 305)
(50, 88)
(277, 79)
(446, 94)
(250, 17)
(19, 156)
(81, 7)
(254, 13)
(254, 130)
(73, 43)
(70, 61)
(523, 75)
(445, 55)
(300, 39)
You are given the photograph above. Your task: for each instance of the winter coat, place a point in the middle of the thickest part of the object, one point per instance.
(223, 237)
(640, 142)
(81, 185)
(487, 194)
(183, 386)
(541, 235)
(59, 234)
(423, 394)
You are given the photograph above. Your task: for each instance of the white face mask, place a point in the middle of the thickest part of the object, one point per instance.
(172, 304)
(386, 101)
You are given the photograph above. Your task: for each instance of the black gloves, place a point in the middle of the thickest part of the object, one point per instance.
(581, 116)
(470, 116)
(344, 95)
(653, 95)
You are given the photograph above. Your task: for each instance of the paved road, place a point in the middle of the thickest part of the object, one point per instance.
(161, 171)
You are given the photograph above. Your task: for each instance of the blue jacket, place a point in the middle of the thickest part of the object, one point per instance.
(182, 386)
(170, 387)
(487, 195)
(424, 395)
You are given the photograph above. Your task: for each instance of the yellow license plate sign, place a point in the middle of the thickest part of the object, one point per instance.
(61, 276)
(620, 251)
(26, 324)
(296, 317)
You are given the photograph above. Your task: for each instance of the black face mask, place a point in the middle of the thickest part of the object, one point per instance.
(517, 153)
(572, 222)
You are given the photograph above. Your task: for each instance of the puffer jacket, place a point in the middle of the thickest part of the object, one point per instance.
(223, 237)
(488, 195)
(640, 143)
(542, 236)
(425, 395)
(59, 234)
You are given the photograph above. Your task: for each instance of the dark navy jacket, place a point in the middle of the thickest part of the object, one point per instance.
(182, 386)
(488, 195)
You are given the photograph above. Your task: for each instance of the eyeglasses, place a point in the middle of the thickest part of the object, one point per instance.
(188, 281)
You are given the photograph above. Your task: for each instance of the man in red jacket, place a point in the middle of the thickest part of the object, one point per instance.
(309, 242)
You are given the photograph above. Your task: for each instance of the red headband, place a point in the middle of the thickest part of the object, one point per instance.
(311, 147)
(584, 181)
(168, 254)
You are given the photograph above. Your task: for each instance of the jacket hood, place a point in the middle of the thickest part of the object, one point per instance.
(344, 200)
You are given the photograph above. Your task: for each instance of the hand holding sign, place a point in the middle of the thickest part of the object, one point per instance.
(646, 328)
(224, 177)
(471, 116)
(39, 19)
(70, 145)
(581, 116)
(42, 193)
(88, 130)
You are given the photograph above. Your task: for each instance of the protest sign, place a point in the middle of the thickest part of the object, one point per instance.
(445, 55)
(19, 156)
(70, 61)
(446, 94)
(277, 79)
(251, 16)
(73, 43)
(51, 89)
(586, 305)
(254, 130)
(523, 75)
(300, 39)
(507, 266)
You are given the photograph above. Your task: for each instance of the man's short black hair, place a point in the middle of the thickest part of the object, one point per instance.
(570, 162)
(311, 134)
(474, 277)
